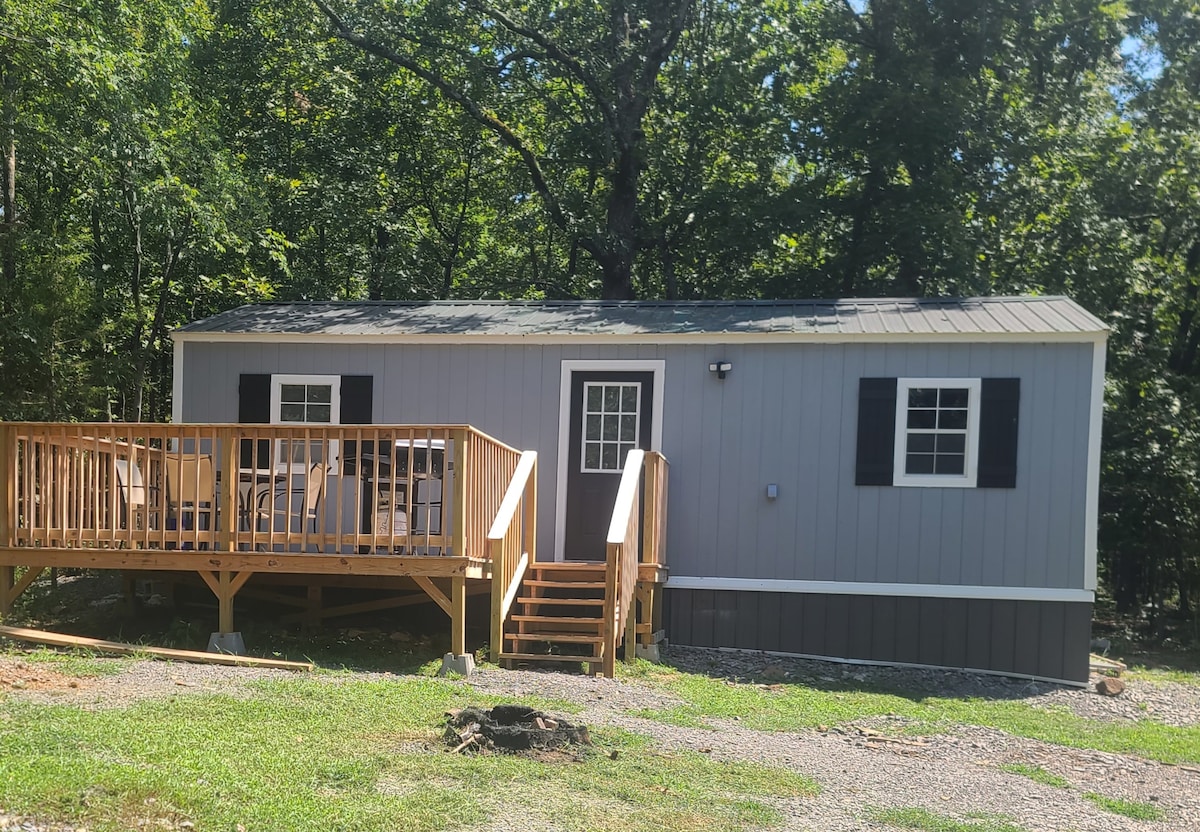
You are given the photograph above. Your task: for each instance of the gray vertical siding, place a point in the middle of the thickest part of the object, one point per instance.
(786, 414)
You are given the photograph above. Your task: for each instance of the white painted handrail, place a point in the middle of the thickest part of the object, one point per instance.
(627, 495)
(512, 497)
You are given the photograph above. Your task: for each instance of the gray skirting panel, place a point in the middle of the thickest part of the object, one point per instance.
(1049, 639)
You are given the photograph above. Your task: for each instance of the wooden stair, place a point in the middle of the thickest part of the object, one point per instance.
(558, 616)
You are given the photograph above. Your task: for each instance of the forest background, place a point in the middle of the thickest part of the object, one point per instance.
(164, 160)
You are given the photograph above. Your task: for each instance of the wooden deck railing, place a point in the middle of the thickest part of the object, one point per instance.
(511, 544)
(369, 489)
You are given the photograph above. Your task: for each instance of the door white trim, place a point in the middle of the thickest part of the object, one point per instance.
(657, 366)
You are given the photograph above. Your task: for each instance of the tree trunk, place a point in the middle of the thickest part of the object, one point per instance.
(616, 253)
(8, 178)
(379, 255)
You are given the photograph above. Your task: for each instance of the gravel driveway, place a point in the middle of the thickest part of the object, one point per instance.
(954, 773)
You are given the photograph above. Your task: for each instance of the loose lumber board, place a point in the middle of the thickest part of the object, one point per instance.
(122, 649)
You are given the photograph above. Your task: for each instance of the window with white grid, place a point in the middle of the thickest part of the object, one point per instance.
(937, 431)
(610, 424)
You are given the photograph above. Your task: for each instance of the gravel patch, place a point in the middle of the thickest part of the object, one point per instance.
(956, 773)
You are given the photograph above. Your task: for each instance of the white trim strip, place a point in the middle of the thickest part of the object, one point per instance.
(658, 366)
(709, 338)
(177, 382)
(1091, 513)
(990, 593)
(874, 663)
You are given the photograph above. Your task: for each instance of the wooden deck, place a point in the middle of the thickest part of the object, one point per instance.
(445, 510)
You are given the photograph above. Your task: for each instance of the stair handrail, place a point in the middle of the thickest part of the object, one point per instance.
(621, 572)
(511, 543)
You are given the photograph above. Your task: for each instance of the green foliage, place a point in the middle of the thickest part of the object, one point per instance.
(176, 159)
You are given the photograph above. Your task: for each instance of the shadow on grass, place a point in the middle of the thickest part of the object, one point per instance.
(93, 604)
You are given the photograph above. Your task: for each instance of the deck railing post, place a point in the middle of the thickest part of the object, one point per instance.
(461, 472)
(531, 514)
(229, 494)
(8, 478)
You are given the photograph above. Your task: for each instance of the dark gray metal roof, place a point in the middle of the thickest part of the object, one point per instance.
(470, 319)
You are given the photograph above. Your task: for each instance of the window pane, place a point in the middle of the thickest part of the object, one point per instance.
(953, 397)
(950, 443)
(628, 428)
(593, 427)
(918, 464)
(612, 399)
(595, 397)
(922, 397)
(319, 413)
(610, 426)
(950, 464)
(952, 419)
(591, 455)
(291, 392)
(922, 418)
(608, 457)
(291, 412)
(320, 393)
(629, 399)
(921, 443)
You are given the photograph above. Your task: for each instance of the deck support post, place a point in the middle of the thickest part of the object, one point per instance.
(312, 609)
(631, 620)
(8, 582)
(458, 620)
(225, 586)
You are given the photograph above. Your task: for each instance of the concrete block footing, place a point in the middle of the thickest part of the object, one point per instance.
(231, 643)
(649, 652)
(463, 665)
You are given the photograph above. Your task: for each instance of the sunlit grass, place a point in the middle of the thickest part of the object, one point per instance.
(340, 753)
(792, 707)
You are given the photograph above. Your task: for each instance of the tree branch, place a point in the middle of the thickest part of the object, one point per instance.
(560, 55)
(468, 104)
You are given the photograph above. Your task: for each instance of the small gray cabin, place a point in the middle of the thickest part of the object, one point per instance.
(893, 480)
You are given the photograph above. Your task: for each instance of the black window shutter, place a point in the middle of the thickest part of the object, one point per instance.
(876, 431)
(254, 408)
(356, 400)
(999, 402)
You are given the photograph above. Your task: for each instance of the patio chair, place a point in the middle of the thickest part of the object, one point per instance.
(268, 507)
(191, 490)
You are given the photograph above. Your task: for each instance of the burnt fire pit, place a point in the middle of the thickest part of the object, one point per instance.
(510, 729)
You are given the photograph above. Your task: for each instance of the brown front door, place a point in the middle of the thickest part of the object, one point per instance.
(610, 415)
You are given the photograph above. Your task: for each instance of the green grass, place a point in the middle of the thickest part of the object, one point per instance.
(1128, 808)
(913, 818)
(1037, 774)
(72, 662)
(340, 753)
(1159, 675)
(793, 707)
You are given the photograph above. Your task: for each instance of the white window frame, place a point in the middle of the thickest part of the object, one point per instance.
(971, 464)
(335, 401)
(583, 440)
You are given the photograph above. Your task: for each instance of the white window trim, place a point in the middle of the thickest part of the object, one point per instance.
(583, 440)
(568, 366)
(335, 402)
(971, 466)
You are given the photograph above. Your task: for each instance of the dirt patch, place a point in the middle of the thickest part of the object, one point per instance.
(16, 674)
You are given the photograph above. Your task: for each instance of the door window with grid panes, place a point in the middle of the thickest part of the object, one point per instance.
(610, 424)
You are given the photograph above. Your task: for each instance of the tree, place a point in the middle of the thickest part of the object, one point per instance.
(591, 71)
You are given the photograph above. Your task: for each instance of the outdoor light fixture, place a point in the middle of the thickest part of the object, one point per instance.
(720, 368)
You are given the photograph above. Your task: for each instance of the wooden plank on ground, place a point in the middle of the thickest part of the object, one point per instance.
(122, 649)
